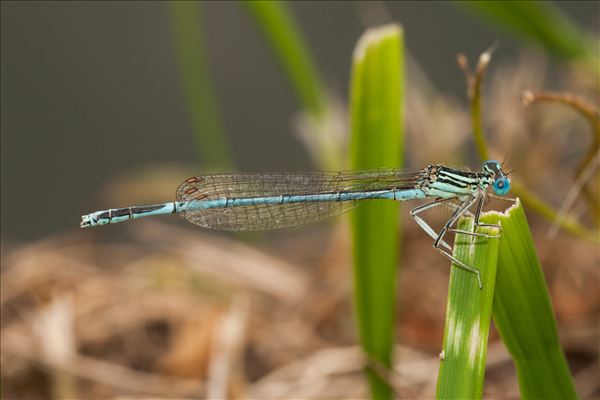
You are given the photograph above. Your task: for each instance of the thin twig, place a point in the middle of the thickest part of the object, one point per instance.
(568, 222)
(577, 103)
(226, 355)
(577, 186)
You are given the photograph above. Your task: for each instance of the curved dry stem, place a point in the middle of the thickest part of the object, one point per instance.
(474, 84)
(474, 89)
(590, 113)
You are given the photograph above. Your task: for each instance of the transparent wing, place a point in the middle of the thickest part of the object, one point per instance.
(273, 216)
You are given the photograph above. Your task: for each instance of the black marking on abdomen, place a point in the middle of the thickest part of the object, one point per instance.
(146, 209)
(120, 212)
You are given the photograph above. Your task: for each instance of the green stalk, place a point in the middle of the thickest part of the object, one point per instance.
(276, 22)
(377, 96)
(540, 206)
(468, 315)
(283, 35)
(197, 85)
(523, 312)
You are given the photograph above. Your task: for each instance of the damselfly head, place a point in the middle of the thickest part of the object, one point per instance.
(501, 183)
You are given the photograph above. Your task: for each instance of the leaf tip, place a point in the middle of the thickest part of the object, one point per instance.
(375, 35)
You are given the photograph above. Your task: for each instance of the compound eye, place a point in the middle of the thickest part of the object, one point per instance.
(501, 186)
(492, 166)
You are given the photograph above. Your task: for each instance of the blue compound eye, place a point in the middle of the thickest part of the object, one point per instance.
(501, 186)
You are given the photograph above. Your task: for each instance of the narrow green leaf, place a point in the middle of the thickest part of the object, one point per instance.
(523, 312)
(197, 85)
(377, 93)
(538, 21)
(468, 315)
(281, 32)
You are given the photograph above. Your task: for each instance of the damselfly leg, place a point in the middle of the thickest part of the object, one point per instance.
(477, 224)
(424, 225)
(459, 210)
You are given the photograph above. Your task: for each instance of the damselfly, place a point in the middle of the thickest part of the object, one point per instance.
(252, 202)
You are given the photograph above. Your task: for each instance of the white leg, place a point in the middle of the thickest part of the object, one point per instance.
(459, 210)
(424, 225)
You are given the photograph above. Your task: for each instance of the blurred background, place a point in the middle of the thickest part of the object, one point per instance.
(98, 110)
(92, 91)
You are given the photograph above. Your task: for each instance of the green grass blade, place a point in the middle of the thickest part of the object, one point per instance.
(523, 312)
(197, 85)
(538, 21)
(320, 121)
(468, 315)
(377, 93)
(281, 32)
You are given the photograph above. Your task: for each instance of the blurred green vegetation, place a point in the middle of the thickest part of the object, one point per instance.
(281, 32)
(537, 21)
(198, 88)
(377, 124)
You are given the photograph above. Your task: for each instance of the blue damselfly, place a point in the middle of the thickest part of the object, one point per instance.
(261, 201)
